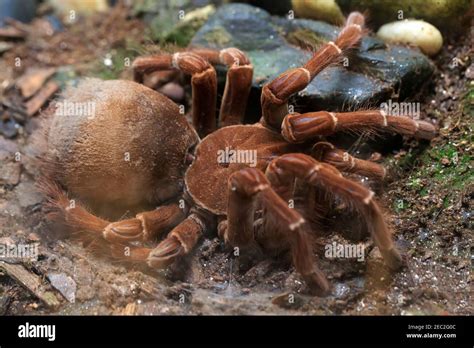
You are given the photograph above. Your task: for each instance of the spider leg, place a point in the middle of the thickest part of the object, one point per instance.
(282, 225)
(180, 241)
(327, 153)
(330, 179)
(298, 128)
(276, 93)
(203, 81)
(145, 226)
(237, 85)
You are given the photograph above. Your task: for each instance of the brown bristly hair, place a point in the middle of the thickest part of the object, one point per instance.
(72, 214)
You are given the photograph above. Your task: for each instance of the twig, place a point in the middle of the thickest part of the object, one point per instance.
(31, 282)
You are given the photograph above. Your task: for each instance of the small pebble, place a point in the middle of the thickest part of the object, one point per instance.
(415, 32)
(325, 10)
(64, 284)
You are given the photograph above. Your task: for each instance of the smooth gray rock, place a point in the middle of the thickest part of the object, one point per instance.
(64, 284)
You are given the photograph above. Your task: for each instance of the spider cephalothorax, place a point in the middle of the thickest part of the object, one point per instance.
(247, 199)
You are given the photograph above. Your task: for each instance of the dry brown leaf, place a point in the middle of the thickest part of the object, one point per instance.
(32, 81)
(12, 33)
(34, 104)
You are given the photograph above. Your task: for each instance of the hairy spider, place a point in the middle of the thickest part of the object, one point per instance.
(247, 201)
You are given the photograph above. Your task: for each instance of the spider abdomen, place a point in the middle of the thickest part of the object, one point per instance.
(125, 149)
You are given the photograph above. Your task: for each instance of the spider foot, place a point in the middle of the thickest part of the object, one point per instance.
(124, 231)
(144, 226)
(165, 253)
(180, 241)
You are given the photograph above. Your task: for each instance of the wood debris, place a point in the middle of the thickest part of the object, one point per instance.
(31, 282)
(34, 104)
(32, 81)
(12, 33)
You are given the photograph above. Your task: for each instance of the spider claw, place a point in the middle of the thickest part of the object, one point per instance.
(124, 231)
(165, 253)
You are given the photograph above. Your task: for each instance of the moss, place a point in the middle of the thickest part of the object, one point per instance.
(182, 33)
(441, 168)
(218, 36)
(424, 192)
(415, 184)
(305, 39)
(120, 58)
(161, 26)
(141, 7)
(166, 28)
(446, 165)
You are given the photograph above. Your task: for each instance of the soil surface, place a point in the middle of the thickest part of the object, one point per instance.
(428, 200)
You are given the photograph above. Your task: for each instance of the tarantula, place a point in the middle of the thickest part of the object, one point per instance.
(249, 203)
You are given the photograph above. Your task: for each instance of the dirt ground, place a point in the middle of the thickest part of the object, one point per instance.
(428, 199)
